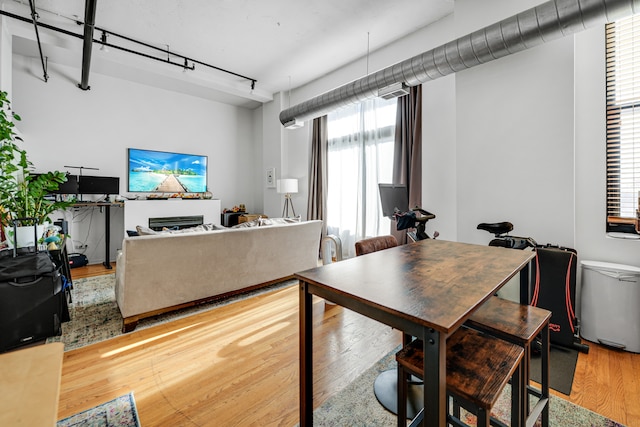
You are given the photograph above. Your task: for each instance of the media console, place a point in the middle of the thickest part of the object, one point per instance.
(138, 212)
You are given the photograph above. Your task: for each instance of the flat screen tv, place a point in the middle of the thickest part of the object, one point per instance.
(165, 172)
(393, 197)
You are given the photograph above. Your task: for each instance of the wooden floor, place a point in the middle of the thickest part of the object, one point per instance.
(239, 365)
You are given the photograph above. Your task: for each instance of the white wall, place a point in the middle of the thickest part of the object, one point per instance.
(515, 135)
(63, 125)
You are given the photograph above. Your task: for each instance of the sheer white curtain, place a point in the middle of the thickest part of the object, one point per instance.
(360, 155)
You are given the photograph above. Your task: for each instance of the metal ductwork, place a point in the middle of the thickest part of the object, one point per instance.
(548, 21)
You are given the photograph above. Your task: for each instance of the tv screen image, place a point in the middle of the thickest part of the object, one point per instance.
(166, 172)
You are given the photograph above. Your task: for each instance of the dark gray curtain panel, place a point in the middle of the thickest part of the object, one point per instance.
(407, 159)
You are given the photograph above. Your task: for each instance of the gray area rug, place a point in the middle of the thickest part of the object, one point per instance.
(356, 405)
(119, 412)
(95, 315)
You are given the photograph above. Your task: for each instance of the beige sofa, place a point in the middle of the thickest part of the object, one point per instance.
(164, 272)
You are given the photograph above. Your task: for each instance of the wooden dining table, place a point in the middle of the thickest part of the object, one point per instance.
(426, 289)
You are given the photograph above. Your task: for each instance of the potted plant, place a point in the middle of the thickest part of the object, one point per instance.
(22, 193)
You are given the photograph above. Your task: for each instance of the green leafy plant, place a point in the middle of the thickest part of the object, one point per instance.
(23, 193)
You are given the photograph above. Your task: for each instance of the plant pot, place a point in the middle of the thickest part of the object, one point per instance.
(25, 236)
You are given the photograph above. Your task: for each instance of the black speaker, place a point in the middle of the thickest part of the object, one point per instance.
(29, 311)
(77, 260)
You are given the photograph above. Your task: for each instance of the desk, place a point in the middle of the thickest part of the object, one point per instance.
(107, 224)
(426, 289)
(30, 385)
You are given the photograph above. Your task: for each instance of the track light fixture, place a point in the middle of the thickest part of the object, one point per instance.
(103, 40)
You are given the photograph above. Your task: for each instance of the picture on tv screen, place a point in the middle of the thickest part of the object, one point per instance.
(165, 172)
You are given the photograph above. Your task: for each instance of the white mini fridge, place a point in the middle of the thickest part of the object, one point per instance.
(610, 304)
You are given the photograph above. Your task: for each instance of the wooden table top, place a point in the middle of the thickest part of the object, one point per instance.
(30, 385)
(432, 283)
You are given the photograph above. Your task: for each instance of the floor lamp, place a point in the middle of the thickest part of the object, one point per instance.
(287, 187)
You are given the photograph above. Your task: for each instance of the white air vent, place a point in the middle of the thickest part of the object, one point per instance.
(393, 91)
(294, 124)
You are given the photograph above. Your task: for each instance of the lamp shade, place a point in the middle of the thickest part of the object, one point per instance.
(289, 185)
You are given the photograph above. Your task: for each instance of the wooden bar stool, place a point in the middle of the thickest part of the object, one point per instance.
(479, 366)
(520, 324)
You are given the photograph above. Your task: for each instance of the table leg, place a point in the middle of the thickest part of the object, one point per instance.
(544, 359)
(306, 359)
(107, 236)
(435, 378)
(525, 284)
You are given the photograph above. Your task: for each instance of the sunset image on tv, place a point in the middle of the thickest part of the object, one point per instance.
(165, 172)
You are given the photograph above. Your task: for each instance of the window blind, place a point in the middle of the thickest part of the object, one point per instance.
(623, 119)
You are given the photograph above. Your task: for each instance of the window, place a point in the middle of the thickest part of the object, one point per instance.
(360, 155)
(623, 122)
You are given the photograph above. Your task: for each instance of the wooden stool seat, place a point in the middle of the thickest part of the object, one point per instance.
(478, 368)
(519, 324)
(509, 320)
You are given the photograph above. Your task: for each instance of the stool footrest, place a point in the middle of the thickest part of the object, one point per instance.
(536, 411)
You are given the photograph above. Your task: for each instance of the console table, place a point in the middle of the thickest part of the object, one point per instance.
(30, 385)
(138, 212)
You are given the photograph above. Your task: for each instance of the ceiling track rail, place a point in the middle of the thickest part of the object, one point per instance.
(34, 18)
(167, 60)
(168, 52)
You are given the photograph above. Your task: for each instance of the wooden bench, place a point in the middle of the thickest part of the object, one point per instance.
(520, 324)
(479, 366)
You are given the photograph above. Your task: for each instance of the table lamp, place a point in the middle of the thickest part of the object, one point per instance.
(287, 187)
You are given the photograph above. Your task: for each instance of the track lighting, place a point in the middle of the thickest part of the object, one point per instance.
(103, 40)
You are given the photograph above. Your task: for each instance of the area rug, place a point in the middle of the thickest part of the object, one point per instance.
(119, 412)
(562, 368)
(356, 405)
(95, 315)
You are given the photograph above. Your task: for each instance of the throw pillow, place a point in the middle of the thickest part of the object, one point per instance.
(273, 221)
(145, 231)
(201, 227)
(254, 223)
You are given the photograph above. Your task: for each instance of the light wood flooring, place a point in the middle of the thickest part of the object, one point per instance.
(239, 366)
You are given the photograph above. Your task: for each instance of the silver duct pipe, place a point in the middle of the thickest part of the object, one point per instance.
(548, 21)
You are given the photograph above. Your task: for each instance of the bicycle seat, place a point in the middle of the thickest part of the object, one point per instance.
(496, 228)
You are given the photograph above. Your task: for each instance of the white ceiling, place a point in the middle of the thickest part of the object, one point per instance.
(274, 42)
